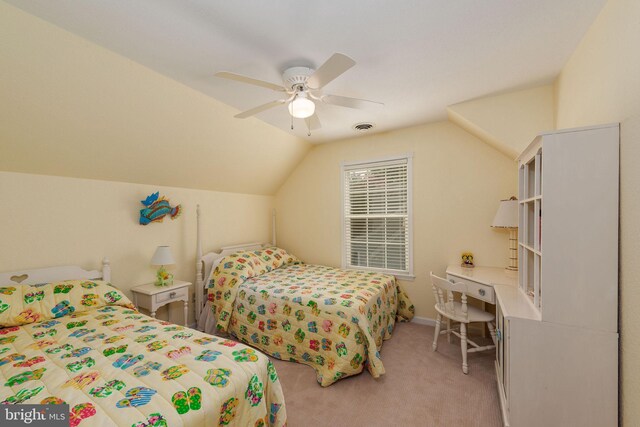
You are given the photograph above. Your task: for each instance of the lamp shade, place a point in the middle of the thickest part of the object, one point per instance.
(162, 256)
(302, 107)
(507, 215)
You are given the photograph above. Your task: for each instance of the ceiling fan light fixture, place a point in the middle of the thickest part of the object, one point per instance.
(302, 107)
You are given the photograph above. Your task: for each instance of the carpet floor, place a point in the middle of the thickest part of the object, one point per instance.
(420, 388)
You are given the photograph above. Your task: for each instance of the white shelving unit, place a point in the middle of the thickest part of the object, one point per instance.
(557, 355)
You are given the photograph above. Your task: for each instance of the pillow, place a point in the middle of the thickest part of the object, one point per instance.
(241, 266)
(22, 304)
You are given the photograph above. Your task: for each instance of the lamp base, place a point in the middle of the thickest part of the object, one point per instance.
(513, 249)
(163, 277)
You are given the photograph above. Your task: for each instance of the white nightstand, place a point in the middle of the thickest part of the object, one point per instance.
(152, 297)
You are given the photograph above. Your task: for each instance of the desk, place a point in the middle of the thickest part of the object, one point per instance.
(480, 280)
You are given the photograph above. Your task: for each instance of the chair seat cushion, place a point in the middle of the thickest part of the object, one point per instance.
(475, 314)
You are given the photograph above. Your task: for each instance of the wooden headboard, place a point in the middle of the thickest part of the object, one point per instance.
(55, 274)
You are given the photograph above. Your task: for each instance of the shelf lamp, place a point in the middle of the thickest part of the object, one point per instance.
(507, 217)
(163, 257)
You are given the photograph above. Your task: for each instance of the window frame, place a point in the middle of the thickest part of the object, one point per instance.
(408, 157)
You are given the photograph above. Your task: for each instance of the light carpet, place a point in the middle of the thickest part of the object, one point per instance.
(420, 388)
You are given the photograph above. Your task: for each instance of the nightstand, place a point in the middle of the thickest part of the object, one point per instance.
(152, 297)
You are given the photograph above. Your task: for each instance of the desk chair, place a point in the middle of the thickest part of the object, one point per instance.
(459, 312)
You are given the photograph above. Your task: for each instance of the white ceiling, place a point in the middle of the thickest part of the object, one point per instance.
(415, 56)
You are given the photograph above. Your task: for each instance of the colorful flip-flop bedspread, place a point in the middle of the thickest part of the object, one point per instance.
(331, 319)
(82, 343)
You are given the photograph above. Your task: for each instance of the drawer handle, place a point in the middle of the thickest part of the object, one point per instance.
(482, 292)
(172, 295)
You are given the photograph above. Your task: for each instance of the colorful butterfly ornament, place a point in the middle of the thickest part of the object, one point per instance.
(189, 400)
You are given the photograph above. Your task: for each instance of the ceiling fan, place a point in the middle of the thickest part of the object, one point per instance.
(303, 88)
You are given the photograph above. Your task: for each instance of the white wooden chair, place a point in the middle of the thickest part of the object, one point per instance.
(458, 312)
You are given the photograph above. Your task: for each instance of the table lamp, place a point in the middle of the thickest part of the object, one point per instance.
(507, 217)
(163, 257)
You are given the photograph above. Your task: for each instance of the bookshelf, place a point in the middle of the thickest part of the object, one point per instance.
(557, 352)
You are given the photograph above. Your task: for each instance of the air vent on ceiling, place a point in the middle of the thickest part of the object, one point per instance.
(363, 127)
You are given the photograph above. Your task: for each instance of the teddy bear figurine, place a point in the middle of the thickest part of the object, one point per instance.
(467, 260)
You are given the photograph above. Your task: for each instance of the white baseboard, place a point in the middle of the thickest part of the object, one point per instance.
(424, 321)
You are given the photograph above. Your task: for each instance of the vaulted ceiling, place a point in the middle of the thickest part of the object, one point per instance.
(415, 56)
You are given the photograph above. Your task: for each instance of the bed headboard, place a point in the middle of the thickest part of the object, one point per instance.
(55, 274)
(206, 262)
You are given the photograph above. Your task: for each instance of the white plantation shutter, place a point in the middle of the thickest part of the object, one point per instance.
(377, 217)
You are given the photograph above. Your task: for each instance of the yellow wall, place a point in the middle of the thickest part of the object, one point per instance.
(69, 107)
(48, 221)
(457, 184)
(600, 84)
(507, 121)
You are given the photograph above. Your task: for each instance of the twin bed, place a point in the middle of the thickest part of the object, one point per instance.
(81, 342)
(67, 336)
(332, 319)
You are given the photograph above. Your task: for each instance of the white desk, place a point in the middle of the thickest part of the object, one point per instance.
(480, 280)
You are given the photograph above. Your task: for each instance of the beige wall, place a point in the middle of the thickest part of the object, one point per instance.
(457, 184)
(600, 84)
(507, 121)
(69, 107)
(48, 221)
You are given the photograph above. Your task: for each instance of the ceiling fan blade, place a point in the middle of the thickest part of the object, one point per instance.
(313, 122)
(332, 68)
(259, 109)
(345, 101)
(249, 80)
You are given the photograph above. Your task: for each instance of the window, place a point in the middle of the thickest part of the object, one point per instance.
(377, 216)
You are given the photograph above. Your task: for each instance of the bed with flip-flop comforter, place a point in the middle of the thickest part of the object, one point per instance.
(82, 343)
(331, 319)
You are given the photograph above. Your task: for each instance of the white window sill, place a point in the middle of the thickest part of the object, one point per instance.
(406, 276)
